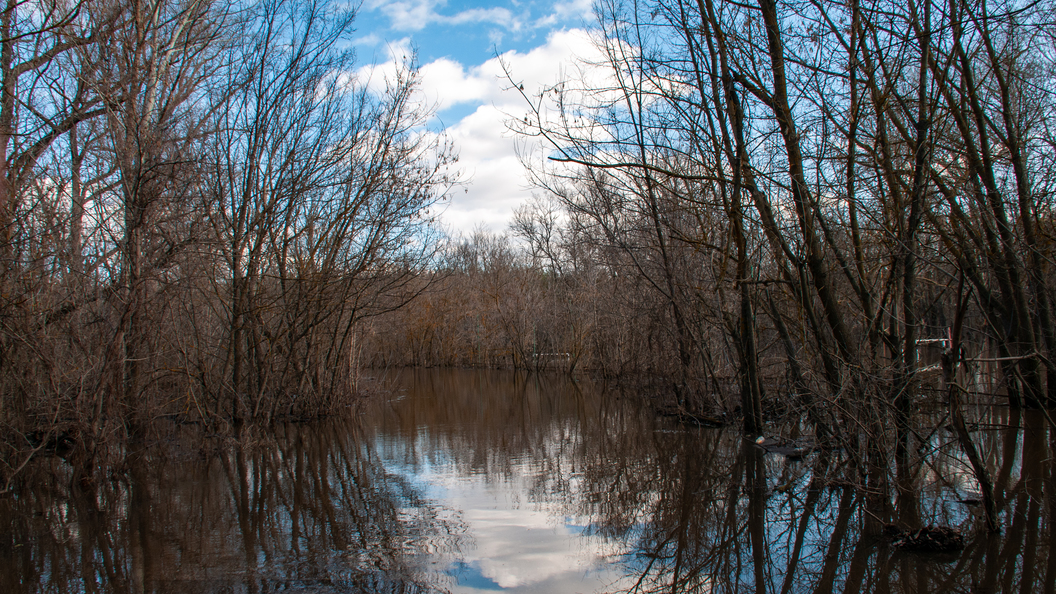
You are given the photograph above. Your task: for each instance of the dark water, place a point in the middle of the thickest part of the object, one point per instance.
(476, 481)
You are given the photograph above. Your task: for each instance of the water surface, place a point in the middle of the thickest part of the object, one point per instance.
(469, 481)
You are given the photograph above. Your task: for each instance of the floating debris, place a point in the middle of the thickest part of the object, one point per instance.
(932, 539)
(793, 450)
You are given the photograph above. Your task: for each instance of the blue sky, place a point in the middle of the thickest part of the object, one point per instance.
(468, 31)
(457, 43)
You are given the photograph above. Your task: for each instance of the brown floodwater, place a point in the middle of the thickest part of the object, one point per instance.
(475, 481)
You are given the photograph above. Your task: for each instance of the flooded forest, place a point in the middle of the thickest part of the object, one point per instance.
(777, 319)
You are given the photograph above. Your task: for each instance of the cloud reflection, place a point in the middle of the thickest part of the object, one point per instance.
(517, 543)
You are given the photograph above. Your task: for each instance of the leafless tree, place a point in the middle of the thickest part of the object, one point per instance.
(318, 198)
(842, 167)
(201, 203)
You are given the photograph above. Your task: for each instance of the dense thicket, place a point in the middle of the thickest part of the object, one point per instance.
(198, 202)
(799, 201)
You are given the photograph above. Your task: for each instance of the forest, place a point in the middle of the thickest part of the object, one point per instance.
(193, 224)
(830, 212)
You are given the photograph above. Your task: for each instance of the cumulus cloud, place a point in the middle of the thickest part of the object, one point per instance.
(446, 82)
(488, 151)
(566, 55)
(399, 55)
(574, 9)
(369, 40)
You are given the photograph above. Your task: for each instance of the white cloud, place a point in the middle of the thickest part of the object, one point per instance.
(495, 16)
(415, 15)
(377, 75)
(488, 151)
(369, 40)
(446, 83)
(450, 83)
(406, 15)
(567, 12)
(574, 9)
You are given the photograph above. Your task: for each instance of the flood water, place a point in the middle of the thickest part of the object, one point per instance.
(470, 481)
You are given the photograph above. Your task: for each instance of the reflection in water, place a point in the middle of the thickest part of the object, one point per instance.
(484, 481)
(309, 506)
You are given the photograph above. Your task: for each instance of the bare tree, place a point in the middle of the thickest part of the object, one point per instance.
(318, 197)
(201, 203)
(843, 167)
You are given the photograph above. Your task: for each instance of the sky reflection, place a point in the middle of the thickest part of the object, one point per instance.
(516, 541)
(491, 481)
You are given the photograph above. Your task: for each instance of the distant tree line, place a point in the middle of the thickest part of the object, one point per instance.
(199, 201)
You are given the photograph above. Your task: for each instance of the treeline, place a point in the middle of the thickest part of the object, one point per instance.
(546, 296)
(198, 202)
(812, 191)
(538, 297)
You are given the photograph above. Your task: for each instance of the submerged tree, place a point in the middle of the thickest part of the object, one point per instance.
(319, 199)
(822, 174)
(200, 204)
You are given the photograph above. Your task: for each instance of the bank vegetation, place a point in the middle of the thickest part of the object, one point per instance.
(841, 210)
(199, 201)
(838, 212)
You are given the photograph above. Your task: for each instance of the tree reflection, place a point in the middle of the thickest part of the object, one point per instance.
(298, 507)
(719, 514)
(343, 506)
(703, 510)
